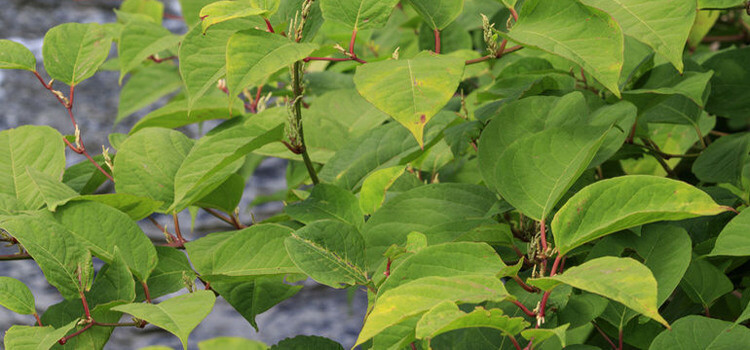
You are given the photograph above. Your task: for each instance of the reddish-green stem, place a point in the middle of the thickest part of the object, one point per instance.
(437, 41)
(65, 339)
(515, 342)
(19, 256)
(269, 27)
(38, 320)
(524, 308)
(545, 297)
(513, 13)
(525, 286)
(604, 335)
(177, 228)
(85, 304)
(146, 292)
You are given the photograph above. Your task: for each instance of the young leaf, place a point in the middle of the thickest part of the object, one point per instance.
(586, 36)
(446, 317)
(615, 204)
(141, 39)
(53, 192)
(213, 158)
(442, 212)
(16, 56)
(330, 252)
(222, 11)
(231, 343)
(663, 24)
(254, 55)
(621, 279)
(38, 147)
(255, 251)
(733, 239)
(74, 51)
(147, 162)
(411, 91)
(327, 202)
(358, 14)
(16, 296)
(35, 338)
(64, 261)
(178, 315)
(438, 13)
(375, 187)
(422, 294)
(112, 229)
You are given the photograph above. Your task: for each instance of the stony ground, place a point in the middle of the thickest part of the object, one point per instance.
(315, 310)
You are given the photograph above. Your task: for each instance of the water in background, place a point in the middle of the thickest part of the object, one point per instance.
(315, 310)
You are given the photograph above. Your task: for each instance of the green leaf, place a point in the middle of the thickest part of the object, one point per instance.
(302, 342)
(423, 294)
(375, 187)
(226, 197)
(61, 314)
(621, 279)
(254, 55)
(583, 35)
(581, 309)
(723, 161)
(152, 9)
(84, 177)
(330, 252)
(191, 10)
(445, 260)
(327, 202)
(16, 56)
(722, 4)
(136, 207)
(179, 113)
(443, 212)
(446, 317)
(74, 51)
(51, 189)
(147, 162)
(704, 283)
(146, 87)
(255, 251)
(733, 239)
(730, 89)
(178, 315)
(35, 338)
(252, 298)
(141, 39)
(16, 296)
(38, 147)
(744, 316)
(114, 283)
(411, 91)
(222, 11)
(615, 204)
(111, 230)
(542, 334)
(203, 57)
(438, 13)
(213, 158)
(700, 333)
(326, 132)
(64, 261)
(704, 21)
(663, 24)
(169, 275)
(231, 343)
(358, 14)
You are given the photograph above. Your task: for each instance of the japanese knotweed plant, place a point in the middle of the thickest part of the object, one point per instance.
(532, 174)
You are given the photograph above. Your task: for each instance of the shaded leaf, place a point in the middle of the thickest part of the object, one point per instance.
(733, 239)
(723, 161)
(146, 87)
(438, 13)
(327, 202)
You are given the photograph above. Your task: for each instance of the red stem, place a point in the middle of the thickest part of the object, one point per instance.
(484, 58)
(351, 43)
(388, 268)
(604, 335)
(254, 106)
(85, 303)
(544, 235)
(38, 320)
(525, 286)
(620, 340)
(19, 256)
(513, 13)
(524, 308)
(515, 342)
(146, 292)
(545, 297)
(437, 41)
(177, 229)
(308, 59)
(160, 60)
(268, 25)
(66, 338)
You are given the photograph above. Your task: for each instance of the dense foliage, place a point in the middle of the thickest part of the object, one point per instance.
(505, 174)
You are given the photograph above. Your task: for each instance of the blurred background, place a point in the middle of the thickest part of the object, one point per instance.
(315, 310)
